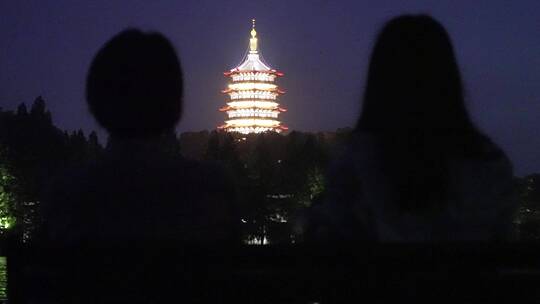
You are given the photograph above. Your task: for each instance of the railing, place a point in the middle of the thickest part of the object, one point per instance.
(324, 273)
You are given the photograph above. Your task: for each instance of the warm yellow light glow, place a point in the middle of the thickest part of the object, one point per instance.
(252, 122)
(253, 39)
(253, 94)
(253, 76)
(248, 130)
(268, 95)
(252, 86)
(253, 104)
(6, 222)
(253, 112)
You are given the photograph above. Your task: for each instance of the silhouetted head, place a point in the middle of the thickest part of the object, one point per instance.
(414, 105)
(134, 85)
(413, 80)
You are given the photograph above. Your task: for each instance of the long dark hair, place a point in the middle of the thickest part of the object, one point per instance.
(414, 105)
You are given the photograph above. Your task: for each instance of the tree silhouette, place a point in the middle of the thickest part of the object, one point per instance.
(36, 151)
(528, 216)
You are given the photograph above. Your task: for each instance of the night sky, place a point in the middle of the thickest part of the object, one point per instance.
(321, 46)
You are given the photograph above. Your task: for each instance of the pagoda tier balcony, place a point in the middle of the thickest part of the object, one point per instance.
(249, 122)
(254, 77)
(253, 113)
(271, 88)
(234, 81)
(262, 104)
(254, 129)
(252, 95)
(276, 90)
(270, 99)
(252, 85)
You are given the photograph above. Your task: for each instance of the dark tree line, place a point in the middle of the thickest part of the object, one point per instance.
(33, 152)
(527, 219)
(276, 176)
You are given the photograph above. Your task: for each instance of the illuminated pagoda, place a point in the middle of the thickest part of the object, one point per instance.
(253, 106)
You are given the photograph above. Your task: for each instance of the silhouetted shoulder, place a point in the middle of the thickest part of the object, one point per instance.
(484, 196)
(337, 216)
(359, 203)
(144, 197)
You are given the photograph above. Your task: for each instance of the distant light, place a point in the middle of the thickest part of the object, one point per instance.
(252, 107)
(5, 222)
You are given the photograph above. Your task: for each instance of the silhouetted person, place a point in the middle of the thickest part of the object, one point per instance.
(142, 190)
(142, 193)
(417, 168)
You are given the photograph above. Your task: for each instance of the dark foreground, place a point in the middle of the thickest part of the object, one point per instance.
(369, 273)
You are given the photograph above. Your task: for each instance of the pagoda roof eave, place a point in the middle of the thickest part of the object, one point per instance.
(236, 71)
(269, 90)
(232, 109)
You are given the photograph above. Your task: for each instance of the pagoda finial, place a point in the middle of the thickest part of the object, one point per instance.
(253, 39)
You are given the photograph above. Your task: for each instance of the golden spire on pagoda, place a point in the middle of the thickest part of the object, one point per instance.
(253, 39)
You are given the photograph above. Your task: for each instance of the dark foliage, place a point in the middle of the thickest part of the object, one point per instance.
(35, 151)
(276, 176)
(527, 220)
